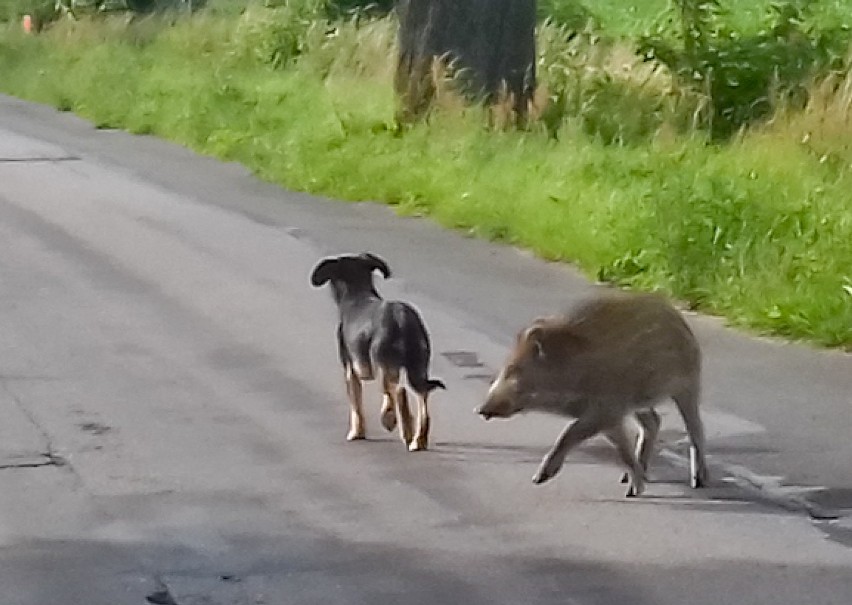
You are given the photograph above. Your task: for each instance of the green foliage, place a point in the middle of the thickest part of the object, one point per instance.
(604, 90)
(744, 76)
(570, 14)
(274, 36)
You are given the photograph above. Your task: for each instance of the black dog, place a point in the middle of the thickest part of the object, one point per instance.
(380, 338)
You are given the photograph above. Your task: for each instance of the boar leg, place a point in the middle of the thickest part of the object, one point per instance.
(575, 433)
(687, 404)
(621, 440)
(650, 422)
(356, 412)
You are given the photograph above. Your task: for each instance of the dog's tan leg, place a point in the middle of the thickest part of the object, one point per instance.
(395, 392)
(356, 413)
(421, 437)
(403, 414)
(388, 413)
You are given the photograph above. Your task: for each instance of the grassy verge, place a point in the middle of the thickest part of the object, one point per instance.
(758, 228)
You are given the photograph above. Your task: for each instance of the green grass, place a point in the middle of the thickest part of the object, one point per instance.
(757, 228)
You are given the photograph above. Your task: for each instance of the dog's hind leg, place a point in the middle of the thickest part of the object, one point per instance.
(403, 414)
(421, 436)
(388, 413)
(396, 393)
(356, 413)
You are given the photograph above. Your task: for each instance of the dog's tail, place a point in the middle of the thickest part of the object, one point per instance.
(433, 384)
(423, 385)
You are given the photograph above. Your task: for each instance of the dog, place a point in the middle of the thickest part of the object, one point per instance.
(379, 338)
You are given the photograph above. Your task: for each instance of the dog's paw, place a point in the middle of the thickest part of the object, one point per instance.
(417, 445)
(355, 435)
(388, 419)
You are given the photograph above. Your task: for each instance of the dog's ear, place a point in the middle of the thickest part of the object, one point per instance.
(323, 271)
(374, 262)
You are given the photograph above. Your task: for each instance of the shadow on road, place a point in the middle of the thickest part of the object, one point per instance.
(257, 569)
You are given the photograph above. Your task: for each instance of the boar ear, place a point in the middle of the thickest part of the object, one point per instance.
(543, 320)
(534, 337)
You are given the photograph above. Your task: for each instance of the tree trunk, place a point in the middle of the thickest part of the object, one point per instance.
(488, 44)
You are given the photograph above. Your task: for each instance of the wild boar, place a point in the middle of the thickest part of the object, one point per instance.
(614, 355)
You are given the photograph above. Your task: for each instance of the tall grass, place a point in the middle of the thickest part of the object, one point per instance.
(618, 175)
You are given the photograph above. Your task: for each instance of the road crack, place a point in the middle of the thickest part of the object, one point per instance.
(37, 459)
(47, 459)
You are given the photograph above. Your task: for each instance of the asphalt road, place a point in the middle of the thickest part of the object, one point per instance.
(172, 414)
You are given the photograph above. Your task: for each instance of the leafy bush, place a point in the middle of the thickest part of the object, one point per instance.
(603, 89)
(744, 76)
(274, 36)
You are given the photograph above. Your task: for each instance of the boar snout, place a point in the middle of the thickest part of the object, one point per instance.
(496, 408)
(500, 402)
(483, 412)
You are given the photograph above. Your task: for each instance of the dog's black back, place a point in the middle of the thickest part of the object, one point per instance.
(401, 341)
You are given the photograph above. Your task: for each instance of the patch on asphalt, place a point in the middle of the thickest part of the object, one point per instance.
(95, 428)
(463, 359)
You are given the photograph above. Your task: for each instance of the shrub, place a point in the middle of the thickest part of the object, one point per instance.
(744, 76)
(605, 90)
(276, 35)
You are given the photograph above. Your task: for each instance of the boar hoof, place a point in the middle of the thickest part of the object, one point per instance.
(549, 468)
(698, 481)
(635, 490)
(697, 473)
(544, 474)
(540, 478)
